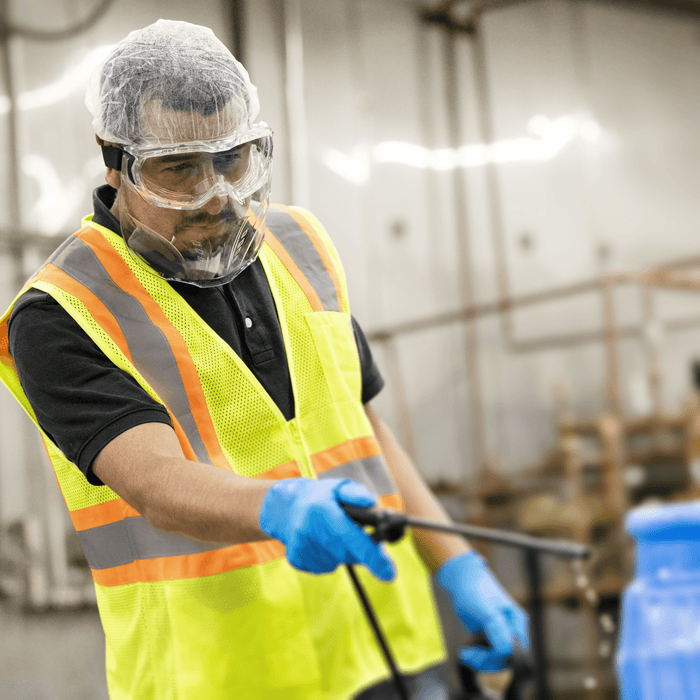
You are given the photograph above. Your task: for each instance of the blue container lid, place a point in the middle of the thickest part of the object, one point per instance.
(665, 522)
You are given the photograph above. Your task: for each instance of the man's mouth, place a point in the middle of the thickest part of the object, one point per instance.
(204, 220)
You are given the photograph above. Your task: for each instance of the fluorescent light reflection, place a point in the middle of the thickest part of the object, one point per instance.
(57, 201)
(549, 137)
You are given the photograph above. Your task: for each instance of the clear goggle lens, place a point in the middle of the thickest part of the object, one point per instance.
(184, 179)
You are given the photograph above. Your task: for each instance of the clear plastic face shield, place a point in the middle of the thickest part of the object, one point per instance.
(195, 166)
(214, 197)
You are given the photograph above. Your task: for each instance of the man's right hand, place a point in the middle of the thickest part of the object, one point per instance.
(305, 515)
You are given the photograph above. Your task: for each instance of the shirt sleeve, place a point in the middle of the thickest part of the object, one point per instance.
(82, 401)
(372, 380)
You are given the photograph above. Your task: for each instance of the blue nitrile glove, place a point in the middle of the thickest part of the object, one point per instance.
(305, 516)
(482, 605)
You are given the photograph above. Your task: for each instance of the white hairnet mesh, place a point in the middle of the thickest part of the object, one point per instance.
(171, 82)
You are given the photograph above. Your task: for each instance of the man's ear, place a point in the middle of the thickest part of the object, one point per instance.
(112, 177)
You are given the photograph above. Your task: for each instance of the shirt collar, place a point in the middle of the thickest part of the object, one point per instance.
(102, 201)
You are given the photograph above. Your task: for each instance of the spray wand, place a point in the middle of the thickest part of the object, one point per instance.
(389, 526)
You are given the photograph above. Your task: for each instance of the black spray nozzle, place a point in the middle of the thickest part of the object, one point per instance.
(389, 525)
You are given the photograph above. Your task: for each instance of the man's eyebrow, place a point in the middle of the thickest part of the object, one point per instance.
(174, 157)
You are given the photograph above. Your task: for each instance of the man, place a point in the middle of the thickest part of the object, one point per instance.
(203, 393)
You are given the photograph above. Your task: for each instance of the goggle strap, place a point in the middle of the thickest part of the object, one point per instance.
(112, 157)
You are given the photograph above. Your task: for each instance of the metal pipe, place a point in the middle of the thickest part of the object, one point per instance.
(235, 10)
(611, 335)
(13, 191)
(493, 188)
(495, 203)
(296, 109)
(652, 355)
(10, 238)
(459, 187)
(406, 432)
(664, 279)
(474, 311)
(681, 7)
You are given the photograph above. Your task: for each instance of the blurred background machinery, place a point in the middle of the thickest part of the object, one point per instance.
(512, 186)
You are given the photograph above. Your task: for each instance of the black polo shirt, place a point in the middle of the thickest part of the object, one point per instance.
(83, 401)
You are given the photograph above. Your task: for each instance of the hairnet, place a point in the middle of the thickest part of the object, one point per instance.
(169, 83)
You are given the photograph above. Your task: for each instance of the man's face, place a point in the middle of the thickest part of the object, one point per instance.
(209, 225)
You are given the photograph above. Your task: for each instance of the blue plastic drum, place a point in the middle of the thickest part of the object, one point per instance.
(658, 655)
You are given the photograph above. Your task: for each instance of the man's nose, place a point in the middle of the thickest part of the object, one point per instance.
(214, 205)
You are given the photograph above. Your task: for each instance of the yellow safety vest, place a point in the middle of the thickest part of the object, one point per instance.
(185, 620)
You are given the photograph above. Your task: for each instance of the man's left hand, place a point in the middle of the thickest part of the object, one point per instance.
(482, 605)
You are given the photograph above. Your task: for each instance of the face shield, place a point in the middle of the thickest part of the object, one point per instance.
(195, 166)
(220, 190)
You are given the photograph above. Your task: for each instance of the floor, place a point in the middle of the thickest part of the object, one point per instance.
(51, 655)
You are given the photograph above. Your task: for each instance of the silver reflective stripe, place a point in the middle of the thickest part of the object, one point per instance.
(59, 251)
(149, 348)
(135, 538)
(302, 251)
(371, 472)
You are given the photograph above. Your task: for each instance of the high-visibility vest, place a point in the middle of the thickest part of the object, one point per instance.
(185, 620)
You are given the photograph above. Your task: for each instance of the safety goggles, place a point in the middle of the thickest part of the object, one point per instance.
(186, 176)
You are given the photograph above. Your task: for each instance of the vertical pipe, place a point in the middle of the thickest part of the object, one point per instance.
(459, 186)
(296, 111)
(236, 19)
(12, 156)
(651, 340)
(12, 161)
(611, 334)
(485, 113)
(612, 425)
(406, 432)
(361, 71)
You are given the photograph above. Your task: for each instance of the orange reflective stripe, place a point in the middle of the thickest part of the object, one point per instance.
(123, 276)
(102, 514)
(287, 470)
(217, 561)
(358, 448)
(392, 500)
(293, 269)
(97, 309)
(320, 246)
(105, 318)
(115, 510)
(5, 356)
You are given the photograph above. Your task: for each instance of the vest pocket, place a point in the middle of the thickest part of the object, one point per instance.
(337, 352)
